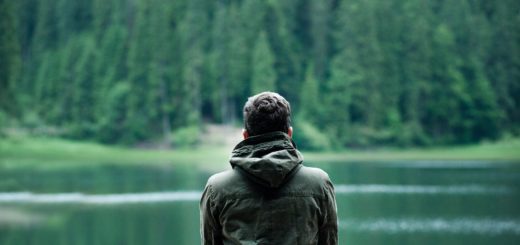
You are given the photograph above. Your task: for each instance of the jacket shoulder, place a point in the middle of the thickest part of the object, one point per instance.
(311, 180)
(315, 174)
(222, 179)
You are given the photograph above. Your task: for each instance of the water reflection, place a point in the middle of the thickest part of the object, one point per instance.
(378, 203)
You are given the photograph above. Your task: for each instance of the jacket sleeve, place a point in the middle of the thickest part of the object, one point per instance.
(210, 231)
(328, 231)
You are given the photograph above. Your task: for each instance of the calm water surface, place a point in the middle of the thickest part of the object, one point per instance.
(410, 202)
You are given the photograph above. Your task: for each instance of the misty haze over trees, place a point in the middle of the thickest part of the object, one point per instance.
(357, 72)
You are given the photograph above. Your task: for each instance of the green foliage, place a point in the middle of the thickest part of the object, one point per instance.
(112, 127)
(308, 137)
(4, 120)
(361, 72)
(185, 137)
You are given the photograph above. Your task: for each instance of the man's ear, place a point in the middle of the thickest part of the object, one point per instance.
(289, 132)
(245, 133)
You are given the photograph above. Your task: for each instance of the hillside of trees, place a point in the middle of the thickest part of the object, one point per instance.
(357, 72)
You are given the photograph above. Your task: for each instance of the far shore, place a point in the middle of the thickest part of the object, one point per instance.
(36, 152)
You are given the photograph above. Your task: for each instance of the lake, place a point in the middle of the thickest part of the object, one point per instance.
(402, 202)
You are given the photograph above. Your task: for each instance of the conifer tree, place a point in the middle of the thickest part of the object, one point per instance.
(10, 63)
(193, 31)
(345, 81)
(287, 28)
(320, 32)
(219, 89)
(310, 97)
(264, 75)
(447, 93)
(138, 66)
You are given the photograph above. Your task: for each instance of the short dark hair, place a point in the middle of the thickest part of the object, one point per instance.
(267, 112)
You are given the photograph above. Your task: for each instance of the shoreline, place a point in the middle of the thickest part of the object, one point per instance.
(54, 152)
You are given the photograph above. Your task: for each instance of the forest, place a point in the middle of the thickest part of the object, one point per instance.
(358, 73)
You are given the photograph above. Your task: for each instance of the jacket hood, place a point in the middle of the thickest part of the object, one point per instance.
(268, 159)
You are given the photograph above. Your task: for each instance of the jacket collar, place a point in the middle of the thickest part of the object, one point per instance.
(268, 159)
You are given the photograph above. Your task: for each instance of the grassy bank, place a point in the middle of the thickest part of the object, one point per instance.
(505, 150)
(50, 152)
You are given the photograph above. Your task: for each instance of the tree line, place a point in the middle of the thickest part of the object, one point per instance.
(357, 72)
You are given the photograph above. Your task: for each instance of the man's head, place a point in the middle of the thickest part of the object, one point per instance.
(267, 112)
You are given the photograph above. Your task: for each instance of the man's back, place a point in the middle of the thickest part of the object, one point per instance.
(268, 198)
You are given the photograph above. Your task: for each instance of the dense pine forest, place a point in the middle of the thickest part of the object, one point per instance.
(357, 72)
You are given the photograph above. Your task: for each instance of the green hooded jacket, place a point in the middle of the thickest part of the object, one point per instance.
(268, 197)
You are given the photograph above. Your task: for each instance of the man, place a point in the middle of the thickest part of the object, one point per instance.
(268, 197)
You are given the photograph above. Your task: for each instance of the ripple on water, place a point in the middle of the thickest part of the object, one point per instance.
(80, 198)
(484, 226)
(423, 189)
(176, 196)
